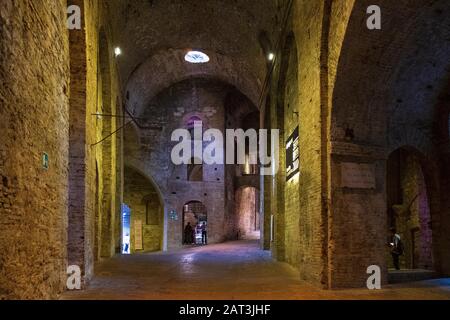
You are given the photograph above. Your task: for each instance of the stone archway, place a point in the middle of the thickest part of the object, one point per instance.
(147, 216)
(247, 213)
(377, 104)
(409, 207)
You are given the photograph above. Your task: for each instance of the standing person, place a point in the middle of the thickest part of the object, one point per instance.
(204, 234)
(396, 248)
(188, 234)
(126, 243)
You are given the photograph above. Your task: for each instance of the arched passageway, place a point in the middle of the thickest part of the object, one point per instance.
(409, 209)
(143, 211)
(248, 213)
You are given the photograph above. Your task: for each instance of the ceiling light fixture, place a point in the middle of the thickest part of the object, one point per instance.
(196, 57)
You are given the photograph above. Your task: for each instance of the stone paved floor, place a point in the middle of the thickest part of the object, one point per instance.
(233, 270)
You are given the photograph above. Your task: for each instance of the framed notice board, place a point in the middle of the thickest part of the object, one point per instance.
(292, 155)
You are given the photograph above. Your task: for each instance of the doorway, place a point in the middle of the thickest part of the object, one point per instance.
(126, 222)
(409, 208)
(195, 224)
(247, 213)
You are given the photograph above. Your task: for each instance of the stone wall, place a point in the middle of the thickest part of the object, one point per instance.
(34, 119)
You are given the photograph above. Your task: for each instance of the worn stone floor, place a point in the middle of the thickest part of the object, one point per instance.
(233, 270)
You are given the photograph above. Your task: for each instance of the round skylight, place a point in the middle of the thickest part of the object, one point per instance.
(196, 57)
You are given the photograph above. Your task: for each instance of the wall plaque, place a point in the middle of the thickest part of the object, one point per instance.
(173, 215)
(358, 175)
(138, 235)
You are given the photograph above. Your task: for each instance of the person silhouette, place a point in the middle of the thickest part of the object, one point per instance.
(188, 234)
(204, 234)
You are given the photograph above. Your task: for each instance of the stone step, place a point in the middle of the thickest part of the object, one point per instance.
(410, 275)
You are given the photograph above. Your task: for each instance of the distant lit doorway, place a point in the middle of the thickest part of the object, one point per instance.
(126, 222)
(195, 224)
(247, 213)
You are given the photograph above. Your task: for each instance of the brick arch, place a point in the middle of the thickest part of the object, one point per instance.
(167, 67)
(131, 140)
(237, 104)
(247, 206)
(144, 198)
(417, 139)
(144, 173)
(373, 78)
(248, 185)
(384, 92)
(427, 170)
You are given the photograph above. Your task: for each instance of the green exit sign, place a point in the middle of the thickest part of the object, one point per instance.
(45, 161)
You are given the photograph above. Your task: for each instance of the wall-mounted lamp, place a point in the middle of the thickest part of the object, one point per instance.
(117, 51)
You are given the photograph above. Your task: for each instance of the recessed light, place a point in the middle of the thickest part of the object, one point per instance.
(117, 51)
(196, 57)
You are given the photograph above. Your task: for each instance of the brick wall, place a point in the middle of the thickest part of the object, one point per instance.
(34, 117)
(95, 170)
(296, 92)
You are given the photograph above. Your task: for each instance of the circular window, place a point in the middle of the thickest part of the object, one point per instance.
(196, 57)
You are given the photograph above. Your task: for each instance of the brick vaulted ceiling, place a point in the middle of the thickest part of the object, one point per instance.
(155, 35)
